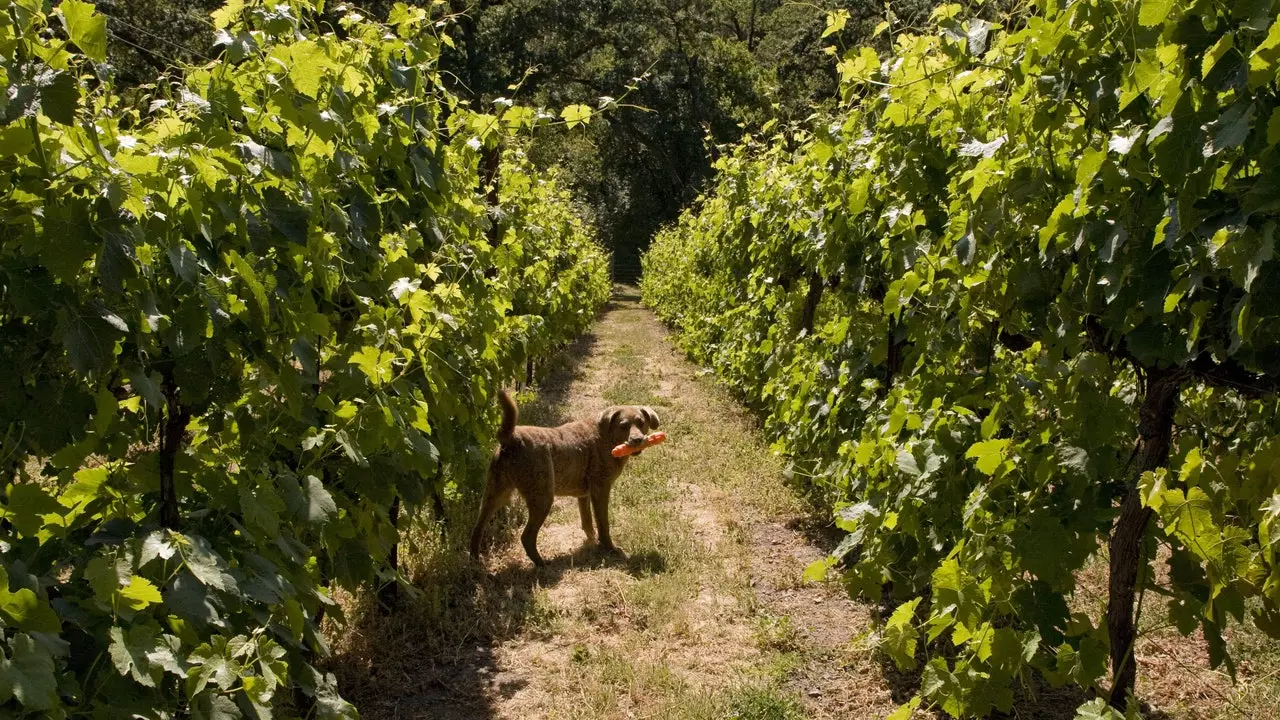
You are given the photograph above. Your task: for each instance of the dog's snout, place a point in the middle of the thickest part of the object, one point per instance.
(635, 440)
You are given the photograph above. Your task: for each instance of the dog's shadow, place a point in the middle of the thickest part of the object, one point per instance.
(587, 556)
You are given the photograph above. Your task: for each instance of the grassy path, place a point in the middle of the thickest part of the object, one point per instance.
(705, 618)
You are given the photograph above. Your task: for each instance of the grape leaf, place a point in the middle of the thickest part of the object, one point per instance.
(375, 364)
(575, 115)
(28, 674)
(320, 506)
(900, 634)
(205, 563)
(27, 505)
(1229, 130)
(24, 609)
(86, 28)
(132, 653)
(989, 454)
(140, 593)
(1154, 12)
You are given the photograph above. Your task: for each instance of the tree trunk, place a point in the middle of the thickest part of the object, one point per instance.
(811, 300)
(490, 160)
(1155, 434)
(175, 423)
(893, 355)
(389, 594)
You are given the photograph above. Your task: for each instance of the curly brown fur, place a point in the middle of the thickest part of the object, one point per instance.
(572, 460)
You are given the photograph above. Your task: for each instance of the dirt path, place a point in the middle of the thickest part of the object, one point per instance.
(707, 617)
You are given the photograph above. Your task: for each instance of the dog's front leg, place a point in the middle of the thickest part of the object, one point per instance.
(600, 503)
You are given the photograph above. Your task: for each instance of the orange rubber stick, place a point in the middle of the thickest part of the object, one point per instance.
(624, 450)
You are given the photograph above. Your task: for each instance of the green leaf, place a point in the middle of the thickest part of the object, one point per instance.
(140, 593)
(249, 277)
(836, 22)
(89, 342)
(937, 679)
(1229, 130)
(308, 65)
(205, 563)
(16, 140)
(60, 98)
(989, 454)
(212, 706)
(1090, 164)
(375, 364)
(156, 545)
(227, 14)
(130, 653)
(575, 115)
(1216, 53)
(1098, 709)
(217, 662)
(320, 507)
(86, 28)
(27, 506)
(329, 704)
(86, 488)
(907, 463)
(146, 385)
(900, 635)
(24, 609)
(27, 674)
(1265, 58)
(261, 509)
(1191, 519)
(905, 711)
(1191, 465)
(816, 571)
(1154, 12)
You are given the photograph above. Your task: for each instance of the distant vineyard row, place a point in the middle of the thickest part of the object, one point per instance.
(1012, 310)
(242, 320)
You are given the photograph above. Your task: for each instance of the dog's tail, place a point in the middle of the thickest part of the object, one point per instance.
(510, 414)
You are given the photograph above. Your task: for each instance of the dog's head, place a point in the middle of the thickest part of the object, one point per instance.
(629, 424)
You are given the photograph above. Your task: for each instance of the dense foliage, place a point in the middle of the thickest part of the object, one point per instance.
(1012, 309)
(709, 70)
(241, 322)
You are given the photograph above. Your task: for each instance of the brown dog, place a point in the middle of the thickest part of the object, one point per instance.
(572, 460)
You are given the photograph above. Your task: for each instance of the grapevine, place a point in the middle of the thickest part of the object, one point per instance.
(243, 320)
(1006, 312)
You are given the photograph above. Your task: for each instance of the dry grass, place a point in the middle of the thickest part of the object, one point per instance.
(1174, 677)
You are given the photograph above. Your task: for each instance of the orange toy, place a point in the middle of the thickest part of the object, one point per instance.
(624, 450)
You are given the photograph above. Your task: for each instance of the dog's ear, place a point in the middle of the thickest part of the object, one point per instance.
(607, 418)
(650, 417)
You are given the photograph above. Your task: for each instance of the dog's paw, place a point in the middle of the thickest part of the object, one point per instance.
(613, 550)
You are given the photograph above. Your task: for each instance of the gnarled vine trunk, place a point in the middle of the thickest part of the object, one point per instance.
(1155, 435)
(176, 418)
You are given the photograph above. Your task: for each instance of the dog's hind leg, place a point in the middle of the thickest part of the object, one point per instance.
(584, 509)
(538, 497)
(496, 495)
